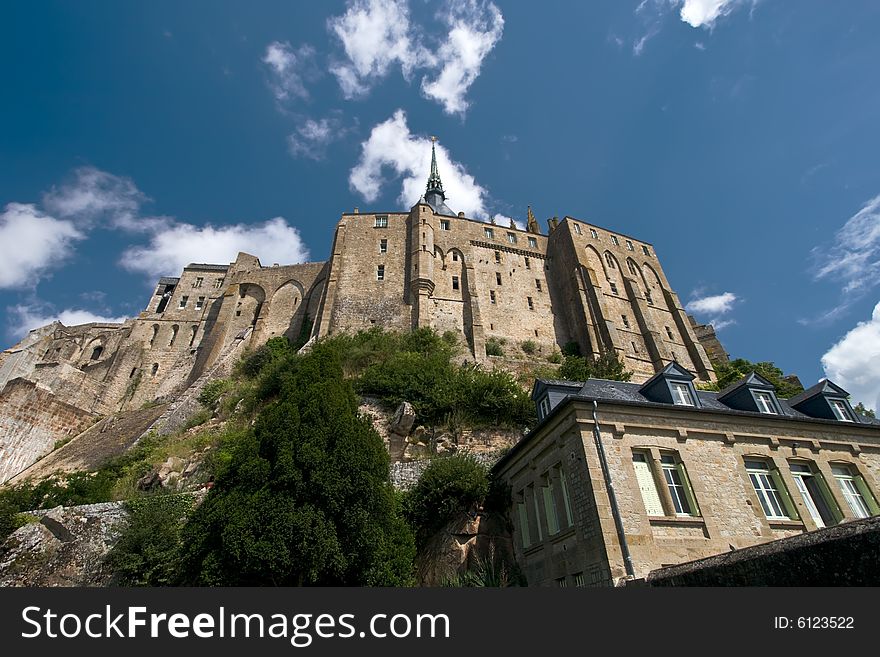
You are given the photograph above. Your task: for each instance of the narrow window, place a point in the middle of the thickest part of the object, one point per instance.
(840, 410)
(538, 284)
(533, 243)
(174, 330)
(635, 347)
(444, 224)
(198, 282)
(200, 303)
(219, 283)
(550, 506)
(613, 287)
(615, 241)
(498, 256)
(498, 278)
(154, 369)
(765, 403)
(183, 301)
(579, 580)
(381, 221)
(669, 333)
(855, 491)
(455, 256)
(531, 303)
(646, 250)
(528, 264)
(625, 320)
(380, 272)
(648, 298)
(133, 372)
(155, 333)
(681, 394)
(566, 501)
(538, 527)
(629, 245)
(561, 583)
(632, 267)
(594, 234)
(383, 246)
(675, 481)
(455, 282)
(577, 229)
(767, 487)
(490, 234)
(609, 260)
(523, 514)
(96, 352)
(511, 237)
(492, 296)
(810, 487)
(647, 485)
(192, 336)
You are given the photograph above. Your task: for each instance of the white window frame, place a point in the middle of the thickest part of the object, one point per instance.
(838, 407)
(545, 406)
(533, 243)
(615, 241)
(851, 493)
(594, 234)
(490, 234)
(681, 394)
(577, 229)
(646, 250)
(200, 303)
(629, 246)
(765, 402)
(765, 488)
(380, 272)
(383, 246)
(444, 224)
(183, 301)
(676, 486)
(511, 237)
(381, 222)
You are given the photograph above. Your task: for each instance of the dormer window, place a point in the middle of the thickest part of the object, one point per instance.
(681, 394)
(765, 403)
(545, 407)
(840, 410)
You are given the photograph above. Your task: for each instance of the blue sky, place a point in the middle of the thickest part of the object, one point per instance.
(739, 137)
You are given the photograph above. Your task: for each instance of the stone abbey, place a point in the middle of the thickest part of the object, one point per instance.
(429, 266)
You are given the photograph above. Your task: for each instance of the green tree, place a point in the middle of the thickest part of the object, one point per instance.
(607, 366)
(734, 370)
(860, 408)
(306, 499)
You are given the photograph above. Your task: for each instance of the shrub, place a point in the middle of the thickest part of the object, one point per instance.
(212, 391)
(148, 550)
(449, 485)
(275, 349)
(494, 347)
(606, 366)
(306, 498)
(529, 347)
(571, 348)
(554, 358)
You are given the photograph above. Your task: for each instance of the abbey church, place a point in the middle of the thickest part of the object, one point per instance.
(425, 267)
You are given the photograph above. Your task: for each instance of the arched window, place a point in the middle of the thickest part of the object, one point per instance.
(155, 333)
(96, 352)
(192, 337)
(174, 330)
(632, 268)
(155, 369)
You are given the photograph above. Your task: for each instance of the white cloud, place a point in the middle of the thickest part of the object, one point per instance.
(474, 29)
(177, 245)
(704, 13)
(24, 318)
(378, 35)
(696, 13)
(312, 137)
(854, 361)
(854, 258)
(289, 68)
(32, 243)
(375, 35)
(715, 307)
(392, 146)
(93, 195)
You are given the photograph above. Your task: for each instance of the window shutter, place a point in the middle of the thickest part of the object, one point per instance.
(787, 502)
(870, 501)
(648, 487)
(692, 499)
(830, 502)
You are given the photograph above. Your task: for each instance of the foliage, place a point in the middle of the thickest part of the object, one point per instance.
(495, 346)
(449, 485)
(580, 368)
(275, 349)
(148, 550)
(555, 358)
(492, 570)
(306, 498)
(197, 419)
(211, 392)
(862, 410)
(529, 347)
(305, 330)
(571, 348)
(734, 370)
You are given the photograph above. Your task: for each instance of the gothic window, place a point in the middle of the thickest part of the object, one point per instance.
(669, 333)
(498, 257)
(454, 256)
(648, 298)
(631, 267)
(96, 352)
(218, 284)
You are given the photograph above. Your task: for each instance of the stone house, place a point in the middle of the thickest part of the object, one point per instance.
(620, 479)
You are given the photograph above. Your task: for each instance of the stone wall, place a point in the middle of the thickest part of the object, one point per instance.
(843, 555)
(31, 422)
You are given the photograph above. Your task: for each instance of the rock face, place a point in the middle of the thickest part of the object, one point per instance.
(62, 547)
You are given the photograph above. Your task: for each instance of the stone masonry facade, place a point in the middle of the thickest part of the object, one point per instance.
(428, 267)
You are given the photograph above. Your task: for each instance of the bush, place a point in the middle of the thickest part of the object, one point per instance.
(529, 347)
(554, 358)
(210, 394)
(606, 366)
(571, 348)
(448, 486)
(275, 349)
(494, 347)
(148, 550)
(306, 498)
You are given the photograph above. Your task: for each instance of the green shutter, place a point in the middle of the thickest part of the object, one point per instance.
(787, 502)
(870, 501)
(829, 498)
(692, 499)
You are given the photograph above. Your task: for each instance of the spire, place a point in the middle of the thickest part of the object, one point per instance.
(532, 223)
(434, 183)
